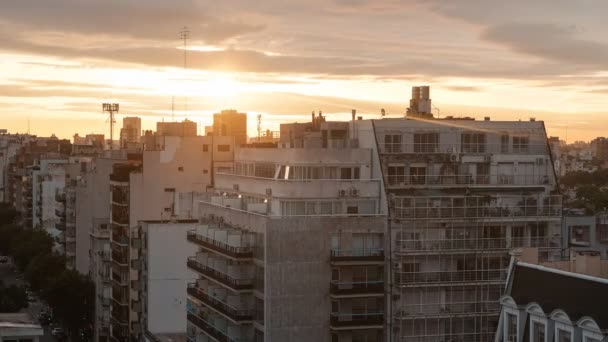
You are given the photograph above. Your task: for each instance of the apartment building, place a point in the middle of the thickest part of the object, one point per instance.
(9, 146)
(585, 233)
(130, 133)
(571, 308)
(291, 246)
(460, 194)
(185, 128)
(147, 190)
(448, 199)
(231, 123)
(164, 277)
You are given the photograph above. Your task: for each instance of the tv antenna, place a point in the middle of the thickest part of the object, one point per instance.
(259, 126)
(111, 109)
(184, 35)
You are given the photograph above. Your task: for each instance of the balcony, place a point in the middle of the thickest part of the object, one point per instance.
(417, 311)
(120, 300)
(357, 320)
(370, 287)
(103, 300)
(209, 329)
(220, 247)
(119, 258)
(60, 212)
(472, 245)
(450, 277)
(467, 180)
(235, 314)
(539, 148)
(476, 207)
(357, 255)
(60, 226)
(465, 337)
(220, 277)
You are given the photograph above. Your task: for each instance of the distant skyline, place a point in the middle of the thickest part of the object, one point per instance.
(510, 60)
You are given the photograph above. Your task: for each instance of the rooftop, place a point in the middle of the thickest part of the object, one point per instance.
(17, 320)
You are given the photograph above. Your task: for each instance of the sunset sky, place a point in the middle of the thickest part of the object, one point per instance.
(510, 60)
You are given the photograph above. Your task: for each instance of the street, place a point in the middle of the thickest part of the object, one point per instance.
(9, 278)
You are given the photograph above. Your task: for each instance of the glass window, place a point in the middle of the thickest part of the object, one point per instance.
(223, 148)
(563, 336)
(205, 148)
(396, 175)
(426, 142)
(392, 143)
(504, 143)
(538, 332)
(345, 173)
(521, 144)
(473, 142)
(511, 328)
(417, 175)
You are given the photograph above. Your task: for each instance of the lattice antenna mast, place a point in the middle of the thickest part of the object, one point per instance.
(184, 35)
(259, 127)
(111, 109)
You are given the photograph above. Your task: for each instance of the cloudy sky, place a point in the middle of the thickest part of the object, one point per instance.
(60, 59)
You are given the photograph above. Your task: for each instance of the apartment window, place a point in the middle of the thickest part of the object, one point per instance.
(356, 173)
(563, 336)
(473, 142)
(521, 144)
(410, 267)
(223, 148)
(426, 142)
(396, 175)
(205, 172)
(180, 169)
(538, 332)
(511, 328)
(538, 232)
(205, 148)
(352, 209)
(417, 175)
(345, 173)
(602, 230)
(504, 143)
(392, 143)
(265, 170)
(517, 236)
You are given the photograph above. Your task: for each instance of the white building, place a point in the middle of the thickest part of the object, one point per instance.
(19, 327)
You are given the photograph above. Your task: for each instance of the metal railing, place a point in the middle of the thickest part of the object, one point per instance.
(467, 180)
(221, 247)
(221, 277)
(475, 148)
(472, 244)
(356, 287)
(209, 329)
(447, 277)
(356, 319)
(236, 314)
(370, 254)
(464, 337)
(439, 309)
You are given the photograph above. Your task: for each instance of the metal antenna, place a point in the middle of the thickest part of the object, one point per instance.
(173, 108)
(184, 35)
(111, 108)
(259, 126)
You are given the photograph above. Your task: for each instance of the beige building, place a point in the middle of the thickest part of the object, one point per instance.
(231, 123)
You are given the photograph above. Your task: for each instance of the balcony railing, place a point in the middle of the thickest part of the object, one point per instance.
(223, 278)
(449, 309)
(472, 245)
(339, 320)
(372, 254)
(424, 180)
(210, 329)
(220, 247)
(370, 287)
(236, 314)
(437, 148)
(423, 278)
(465, 337)
(474, 207)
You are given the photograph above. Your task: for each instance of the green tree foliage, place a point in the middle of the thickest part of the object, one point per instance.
(12, 299)
(43, 269)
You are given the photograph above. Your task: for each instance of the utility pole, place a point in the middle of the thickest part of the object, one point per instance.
(185, 35)
(111, 109)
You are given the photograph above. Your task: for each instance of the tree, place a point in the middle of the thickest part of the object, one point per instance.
(12, 299)
(43, 269)
(72, 297)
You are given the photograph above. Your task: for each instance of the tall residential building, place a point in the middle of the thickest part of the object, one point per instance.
(231, 123)
(148, 190)
(130, 133)
(428, 208)
(291, 247)
(185, 128)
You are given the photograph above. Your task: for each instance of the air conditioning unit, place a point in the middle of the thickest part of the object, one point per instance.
(268, 192)
(354, 192)
(454, 158)
(235, 187)
(341, 193)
